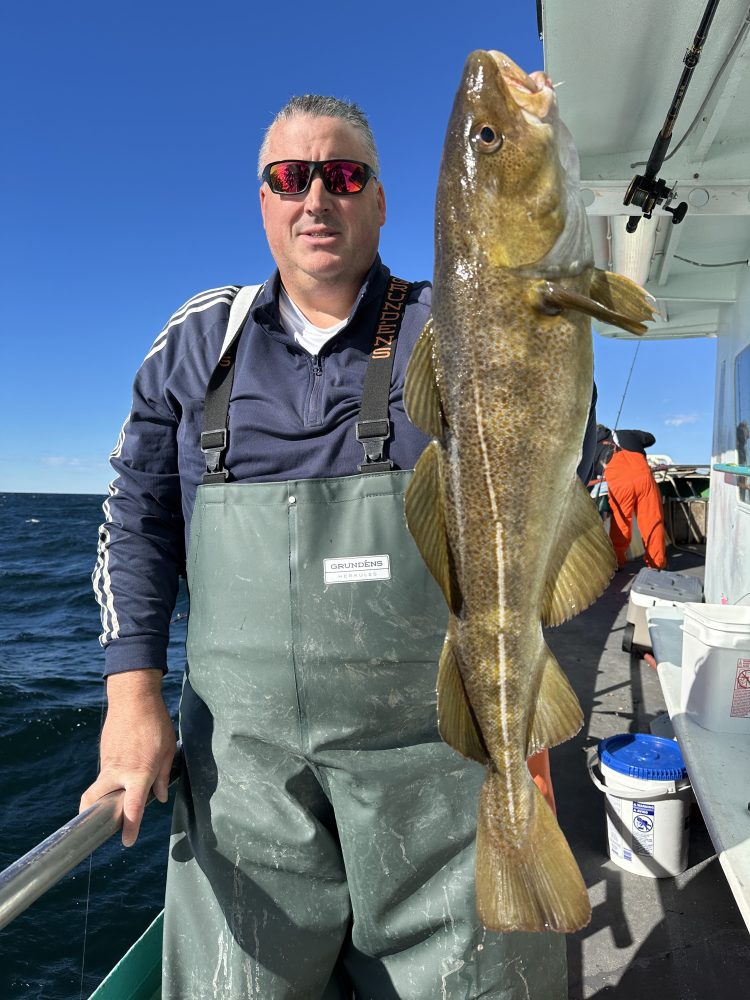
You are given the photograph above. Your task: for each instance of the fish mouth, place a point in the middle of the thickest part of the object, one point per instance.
(533, 93)
(512, 73)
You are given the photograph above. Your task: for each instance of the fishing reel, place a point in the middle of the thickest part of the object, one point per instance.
(648, 192)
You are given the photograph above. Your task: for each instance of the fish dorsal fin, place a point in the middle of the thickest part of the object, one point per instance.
(421, 396)
(623, 296)
(457, 723)
(424, 506)
(553, 298)
(583, 560)
(557, 711)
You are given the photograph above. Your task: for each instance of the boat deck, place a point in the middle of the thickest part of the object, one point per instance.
(679, 938)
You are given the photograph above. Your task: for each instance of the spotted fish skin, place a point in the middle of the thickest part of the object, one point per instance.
(501, 379)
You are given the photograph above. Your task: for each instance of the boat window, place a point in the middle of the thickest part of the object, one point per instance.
(742, 416)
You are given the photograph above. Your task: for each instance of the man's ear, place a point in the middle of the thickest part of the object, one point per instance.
(381, 203)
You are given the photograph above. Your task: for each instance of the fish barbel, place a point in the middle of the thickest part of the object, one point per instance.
(501, 378)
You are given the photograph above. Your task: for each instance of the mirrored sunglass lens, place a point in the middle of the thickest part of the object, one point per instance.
(343, 177)
(290, 177)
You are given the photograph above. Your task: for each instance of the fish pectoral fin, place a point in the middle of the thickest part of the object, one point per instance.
(536, 886)
(623, 296)
(583, 560)
(457, 723)
(551, 298)
(557, 712)
(421, 395)
(424, 506)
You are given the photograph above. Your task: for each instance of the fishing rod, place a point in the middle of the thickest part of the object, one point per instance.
(647, 190)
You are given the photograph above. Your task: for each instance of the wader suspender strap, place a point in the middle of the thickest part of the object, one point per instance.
(374, 426)
(215, 436)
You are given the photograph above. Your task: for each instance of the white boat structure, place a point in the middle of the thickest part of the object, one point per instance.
(624, 67)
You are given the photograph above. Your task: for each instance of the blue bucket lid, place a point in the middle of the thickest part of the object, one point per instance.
(640, 755)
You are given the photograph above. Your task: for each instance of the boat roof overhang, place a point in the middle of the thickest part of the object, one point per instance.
(618, 66)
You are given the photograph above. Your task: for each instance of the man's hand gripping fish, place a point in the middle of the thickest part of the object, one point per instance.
(501, 378)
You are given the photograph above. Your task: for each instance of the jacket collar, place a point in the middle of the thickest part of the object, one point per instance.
(265, 312)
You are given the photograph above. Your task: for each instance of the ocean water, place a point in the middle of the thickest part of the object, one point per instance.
(51, 710)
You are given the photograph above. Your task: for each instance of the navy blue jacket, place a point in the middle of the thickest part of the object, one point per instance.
(291, 416)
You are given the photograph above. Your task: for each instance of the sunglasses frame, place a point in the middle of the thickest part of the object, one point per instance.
(316, 166)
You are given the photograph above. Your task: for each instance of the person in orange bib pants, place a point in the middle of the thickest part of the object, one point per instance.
(632, 490)
(539, 768)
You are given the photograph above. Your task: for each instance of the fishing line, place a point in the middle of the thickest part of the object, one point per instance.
(86, 924)
(625, 390)
(91, 856)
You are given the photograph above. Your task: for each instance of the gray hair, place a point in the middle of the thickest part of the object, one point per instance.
(317, 106)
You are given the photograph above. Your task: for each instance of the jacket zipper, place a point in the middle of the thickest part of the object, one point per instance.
(313, 405)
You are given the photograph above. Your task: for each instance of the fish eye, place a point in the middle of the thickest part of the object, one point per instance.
(486, 138)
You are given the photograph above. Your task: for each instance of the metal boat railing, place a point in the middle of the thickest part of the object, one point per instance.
(31, 876)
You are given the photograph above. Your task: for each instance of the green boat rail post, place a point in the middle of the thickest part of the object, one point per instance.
(23, 882)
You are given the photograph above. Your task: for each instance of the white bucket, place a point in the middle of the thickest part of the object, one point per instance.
(647, 802)
(715, 685)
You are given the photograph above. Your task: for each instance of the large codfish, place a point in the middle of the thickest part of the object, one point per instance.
(501, 378)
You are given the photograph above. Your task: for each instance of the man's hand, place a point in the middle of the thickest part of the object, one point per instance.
(137, 746)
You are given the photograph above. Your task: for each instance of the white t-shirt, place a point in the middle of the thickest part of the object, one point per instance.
(312, 338)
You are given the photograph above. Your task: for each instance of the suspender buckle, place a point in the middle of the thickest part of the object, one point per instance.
(213, 446)
(372, 435)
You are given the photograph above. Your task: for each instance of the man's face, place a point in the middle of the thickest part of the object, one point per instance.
(317, 236)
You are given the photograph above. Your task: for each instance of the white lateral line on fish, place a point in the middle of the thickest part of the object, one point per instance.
(501, 658)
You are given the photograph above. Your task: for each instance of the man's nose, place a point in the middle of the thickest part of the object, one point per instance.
(317, 198)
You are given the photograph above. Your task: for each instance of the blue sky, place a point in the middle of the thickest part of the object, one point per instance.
(128, 185)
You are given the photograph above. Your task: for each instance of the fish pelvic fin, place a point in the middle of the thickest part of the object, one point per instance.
(583, 561)
(557, 712)
(551, 298)
(535, 887)
(421, 395)
(424, 506)
(457, 723)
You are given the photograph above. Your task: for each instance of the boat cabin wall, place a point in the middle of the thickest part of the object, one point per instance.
(728, 547)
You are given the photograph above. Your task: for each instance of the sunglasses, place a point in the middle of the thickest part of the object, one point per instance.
(338, 176)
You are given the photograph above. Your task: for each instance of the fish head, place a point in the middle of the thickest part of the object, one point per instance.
(510, 174)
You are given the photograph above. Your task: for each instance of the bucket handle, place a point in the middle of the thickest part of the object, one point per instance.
(592, 763)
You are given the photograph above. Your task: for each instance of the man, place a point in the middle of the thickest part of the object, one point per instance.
(621, 460)
(323, 835)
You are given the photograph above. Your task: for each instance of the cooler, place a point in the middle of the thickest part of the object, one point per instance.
(652, 587)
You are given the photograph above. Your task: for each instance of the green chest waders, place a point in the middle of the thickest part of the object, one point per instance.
(323, 834)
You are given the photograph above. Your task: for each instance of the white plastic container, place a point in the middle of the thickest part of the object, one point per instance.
(647, 802)
(654, 587)
(715, 686)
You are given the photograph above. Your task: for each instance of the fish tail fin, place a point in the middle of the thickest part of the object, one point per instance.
(536, 887)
